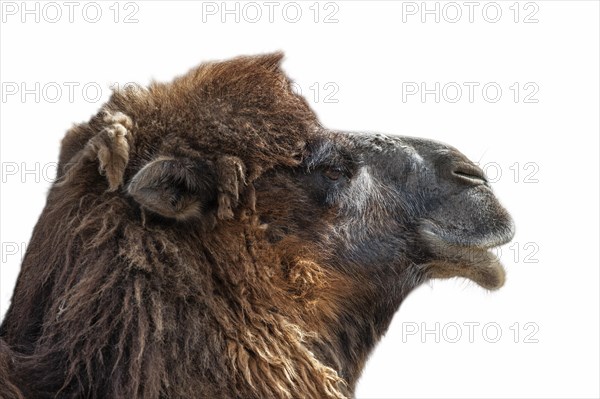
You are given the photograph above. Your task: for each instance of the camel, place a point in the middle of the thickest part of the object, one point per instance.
(209, 238)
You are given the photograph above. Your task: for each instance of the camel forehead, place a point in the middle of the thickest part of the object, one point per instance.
(377, 146)
(256, 80)
(252, 82)
(244, 107)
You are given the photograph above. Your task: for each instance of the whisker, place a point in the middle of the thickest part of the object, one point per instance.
(482, 155)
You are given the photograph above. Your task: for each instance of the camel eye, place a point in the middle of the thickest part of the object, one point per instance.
(332, 173)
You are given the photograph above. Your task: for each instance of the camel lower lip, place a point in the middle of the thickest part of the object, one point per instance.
(475, 254)
(481, 265)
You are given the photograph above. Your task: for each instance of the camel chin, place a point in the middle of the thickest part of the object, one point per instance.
(477, 263)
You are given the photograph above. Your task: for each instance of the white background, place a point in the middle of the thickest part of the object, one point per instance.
(369, 54)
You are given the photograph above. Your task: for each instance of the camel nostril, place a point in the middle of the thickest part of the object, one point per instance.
(470, 173)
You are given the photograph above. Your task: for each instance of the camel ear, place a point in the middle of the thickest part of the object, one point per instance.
(175, 188)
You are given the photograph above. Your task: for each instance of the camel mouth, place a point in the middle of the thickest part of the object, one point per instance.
(478, 263)
(453, 250)
(483, 238)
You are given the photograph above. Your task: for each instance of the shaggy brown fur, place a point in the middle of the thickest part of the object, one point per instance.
(189, 250)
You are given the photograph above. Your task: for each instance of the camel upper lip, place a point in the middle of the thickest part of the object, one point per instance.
(429, 228)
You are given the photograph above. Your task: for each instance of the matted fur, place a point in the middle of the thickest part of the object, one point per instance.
(134, 310)
(186, 251)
